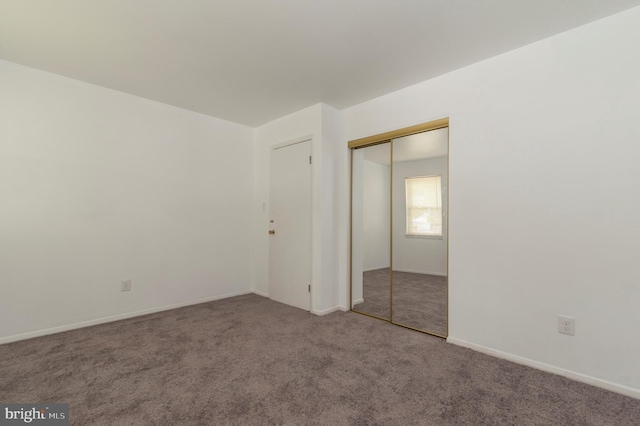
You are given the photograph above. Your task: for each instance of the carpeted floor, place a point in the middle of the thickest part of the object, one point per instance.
(419, 300)
(250, 361)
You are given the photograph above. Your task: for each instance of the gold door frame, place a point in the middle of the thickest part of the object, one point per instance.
(380, 139)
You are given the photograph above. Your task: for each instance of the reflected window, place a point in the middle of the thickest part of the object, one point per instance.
(424, 205)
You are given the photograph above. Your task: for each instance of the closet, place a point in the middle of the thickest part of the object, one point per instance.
(399, 227)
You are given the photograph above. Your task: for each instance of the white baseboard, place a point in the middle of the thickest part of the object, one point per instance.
(439, 274)
(610, 386)
(260, 293)
(103, 320)
(329, 310)
(361, 300)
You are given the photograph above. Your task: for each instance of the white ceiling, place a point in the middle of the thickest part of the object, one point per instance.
(251, 61)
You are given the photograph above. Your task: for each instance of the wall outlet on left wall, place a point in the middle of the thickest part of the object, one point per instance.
(125, 285)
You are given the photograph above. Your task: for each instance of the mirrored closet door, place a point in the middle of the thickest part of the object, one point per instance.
(371, 241)
(399, 257)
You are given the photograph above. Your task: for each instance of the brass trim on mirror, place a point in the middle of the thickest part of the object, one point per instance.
(394, 134)
(374, 316)
(390, 231)
(351, 236)
(448, 224)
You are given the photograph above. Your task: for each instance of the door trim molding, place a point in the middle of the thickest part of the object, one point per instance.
(293, 141)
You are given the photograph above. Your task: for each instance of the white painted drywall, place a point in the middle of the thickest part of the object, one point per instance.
(411, 254)
(323, 125)
(375, 216)
(330, 297)
(97, 186)
(544, 196)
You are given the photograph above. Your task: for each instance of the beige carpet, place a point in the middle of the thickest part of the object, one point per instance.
(250, 361)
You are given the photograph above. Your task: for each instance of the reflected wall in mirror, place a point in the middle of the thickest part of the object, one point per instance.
(371, 221)
(419, 231)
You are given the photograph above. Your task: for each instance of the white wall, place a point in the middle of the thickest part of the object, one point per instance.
(376, 212)
(411, 254)
(330, 297)
(323, 125)
(544, 198)
(98, 186)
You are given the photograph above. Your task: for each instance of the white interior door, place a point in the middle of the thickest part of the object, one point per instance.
(290, 225)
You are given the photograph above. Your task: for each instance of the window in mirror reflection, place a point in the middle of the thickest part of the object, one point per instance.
(424, 206)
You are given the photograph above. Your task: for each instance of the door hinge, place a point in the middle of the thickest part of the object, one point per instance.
(309, 288)
(309, 159)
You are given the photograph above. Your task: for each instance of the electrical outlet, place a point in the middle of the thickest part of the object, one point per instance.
(566, 325)
(125, 285)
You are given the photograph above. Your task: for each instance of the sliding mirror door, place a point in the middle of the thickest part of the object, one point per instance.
(419, 231)
(371, 241)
